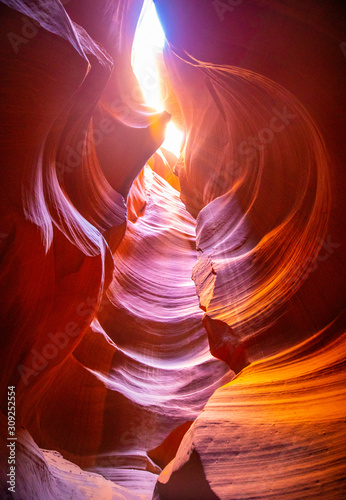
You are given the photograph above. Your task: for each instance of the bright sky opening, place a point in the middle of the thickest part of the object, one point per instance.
(148, 43)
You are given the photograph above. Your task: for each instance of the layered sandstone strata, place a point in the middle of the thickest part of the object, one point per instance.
(114, 351)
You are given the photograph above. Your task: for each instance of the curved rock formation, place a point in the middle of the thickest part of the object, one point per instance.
(126, 273)
(273, 432)
(70, 189)
(260, 168)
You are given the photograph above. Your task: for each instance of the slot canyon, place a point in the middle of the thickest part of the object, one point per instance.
(172, 250)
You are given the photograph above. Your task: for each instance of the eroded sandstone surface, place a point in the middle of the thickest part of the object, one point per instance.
(173, 327)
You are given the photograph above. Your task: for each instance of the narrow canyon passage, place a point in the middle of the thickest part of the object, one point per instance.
(172, 250)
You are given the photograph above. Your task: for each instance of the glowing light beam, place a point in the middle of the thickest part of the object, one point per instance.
(147, 45)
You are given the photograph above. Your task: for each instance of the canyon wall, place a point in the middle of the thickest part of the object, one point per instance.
(173, 328)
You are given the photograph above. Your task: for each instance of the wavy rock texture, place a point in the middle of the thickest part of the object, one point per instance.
(260, 169)
(45, 474)
(152, 370)
(275, 431)
(110, 344)
(82, 388)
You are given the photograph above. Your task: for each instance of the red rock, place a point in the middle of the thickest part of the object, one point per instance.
(110, 344)
(274, 431)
